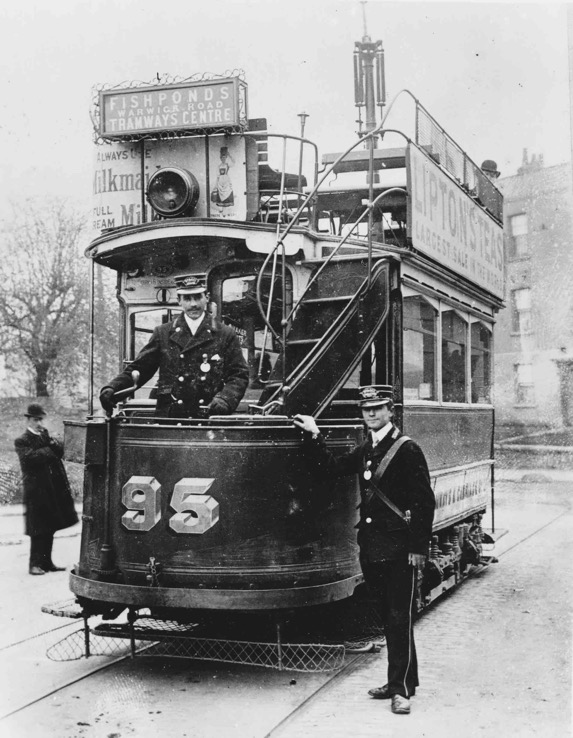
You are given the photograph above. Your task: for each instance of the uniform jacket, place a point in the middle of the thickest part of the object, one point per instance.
(47, 497)
(186, 378)
(382, 534)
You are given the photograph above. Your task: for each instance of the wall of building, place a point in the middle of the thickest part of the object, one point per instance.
(536, 327)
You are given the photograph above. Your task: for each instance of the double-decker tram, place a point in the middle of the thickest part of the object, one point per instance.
(380, 264)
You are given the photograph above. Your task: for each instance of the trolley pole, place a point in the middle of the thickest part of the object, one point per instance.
(303, 116)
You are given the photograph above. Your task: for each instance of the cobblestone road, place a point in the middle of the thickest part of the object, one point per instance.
(495, 658)
(495, 655)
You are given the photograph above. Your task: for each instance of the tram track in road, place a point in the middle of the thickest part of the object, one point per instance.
(33, 649)
(532, 534)
(306, 712)
(284, 701)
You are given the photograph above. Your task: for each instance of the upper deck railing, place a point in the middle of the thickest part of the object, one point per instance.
(430, 136)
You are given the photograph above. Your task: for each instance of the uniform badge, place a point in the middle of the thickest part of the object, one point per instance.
(368, 474)
(205, 366)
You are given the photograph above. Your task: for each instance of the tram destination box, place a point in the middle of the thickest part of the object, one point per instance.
(84, 441)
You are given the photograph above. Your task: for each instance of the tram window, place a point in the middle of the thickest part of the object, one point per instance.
(420, 339)
(481, 363)
(454, 340)
(239, 309)
(142, 324)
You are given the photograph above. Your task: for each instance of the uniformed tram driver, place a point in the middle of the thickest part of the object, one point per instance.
(202, 370)
(395, 527)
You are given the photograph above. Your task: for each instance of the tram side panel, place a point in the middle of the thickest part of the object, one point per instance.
(457, 444)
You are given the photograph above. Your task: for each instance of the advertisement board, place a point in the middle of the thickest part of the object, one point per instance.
(448, 225)
(122, 171)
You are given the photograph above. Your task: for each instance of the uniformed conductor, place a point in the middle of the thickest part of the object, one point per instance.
(202, 370)
(396, 514)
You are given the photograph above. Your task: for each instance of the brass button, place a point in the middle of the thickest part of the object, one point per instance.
(368, 520)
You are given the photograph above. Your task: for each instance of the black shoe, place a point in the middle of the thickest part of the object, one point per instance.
(35, 571)
(400, 705)
(53, 567)
(380, 693)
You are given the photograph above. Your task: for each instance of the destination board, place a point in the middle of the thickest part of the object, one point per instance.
(189, 106)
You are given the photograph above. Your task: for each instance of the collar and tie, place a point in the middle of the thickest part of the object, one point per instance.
(194, 324)
(377, 436)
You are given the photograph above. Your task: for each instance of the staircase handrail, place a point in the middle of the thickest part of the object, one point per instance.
(290, 225)
(329, 258)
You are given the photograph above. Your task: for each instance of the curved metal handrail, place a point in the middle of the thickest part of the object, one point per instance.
(282, 235)
(319, 271)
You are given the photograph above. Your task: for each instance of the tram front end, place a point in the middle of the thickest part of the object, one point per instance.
(213, 515)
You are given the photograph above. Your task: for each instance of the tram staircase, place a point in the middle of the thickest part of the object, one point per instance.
(331, 330)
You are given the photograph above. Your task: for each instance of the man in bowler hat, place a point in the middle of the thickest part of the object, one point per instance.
(394, 529)
(48, 501)
(202, 370)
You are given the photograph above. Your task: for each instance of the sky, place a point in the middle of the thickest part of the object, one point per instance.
(494, 75)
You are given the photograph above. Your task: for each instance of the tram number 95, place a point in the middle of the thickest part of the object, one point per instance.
(195, 510)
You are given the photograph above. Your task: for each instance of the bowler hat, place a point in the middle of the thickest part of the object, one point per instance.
(490, 167)
(374, 395)
(191, 285)
(35, 411)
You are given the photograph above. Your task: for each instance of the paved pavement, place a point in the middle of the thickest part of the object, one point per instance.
(12, 526)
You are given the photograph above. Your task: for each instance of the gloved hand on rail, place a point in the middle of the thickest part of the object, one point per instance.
(106, 399)
(218, 406)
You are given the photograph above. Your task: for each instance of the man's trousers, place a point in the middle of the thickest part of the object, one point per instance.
(393, 586)
(41, 551)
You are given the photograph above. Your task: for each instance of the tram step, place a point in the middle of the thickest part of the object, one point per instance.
(318, 376)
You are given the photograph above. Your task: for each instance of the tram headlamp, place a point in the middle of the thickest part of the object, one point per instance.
(172, 192)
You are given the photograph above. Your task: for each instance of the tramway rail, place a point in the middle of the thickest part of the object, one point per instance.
(90, 667)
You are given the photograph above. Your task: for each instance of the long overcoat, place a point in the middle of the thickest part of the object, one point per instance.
(48, 501)
(382, 534)
(193, 370)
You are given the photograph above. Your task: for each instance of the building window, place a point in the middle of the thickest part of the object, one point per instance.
(420, 339)
(518, 241)
(521, 311)
(454, 342)
(480, 363)
(524, 389)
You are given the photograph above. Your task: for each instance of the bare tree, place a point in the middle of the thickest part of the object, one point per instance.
(44, 291)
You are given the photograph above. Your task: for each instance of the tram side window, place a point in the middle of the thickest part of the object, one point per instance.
(420, 338)
(481, 363)
(454, 340)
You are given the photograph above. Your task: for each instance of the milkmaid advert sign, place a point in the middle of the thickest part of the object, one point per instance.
(122, 171)
(446, 225)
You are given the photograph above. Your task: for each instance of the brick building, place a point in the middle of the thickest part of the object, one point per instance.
(534, 336)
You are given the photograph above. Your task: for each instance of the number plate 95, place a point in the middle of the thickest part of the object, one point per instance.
(195, 510)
